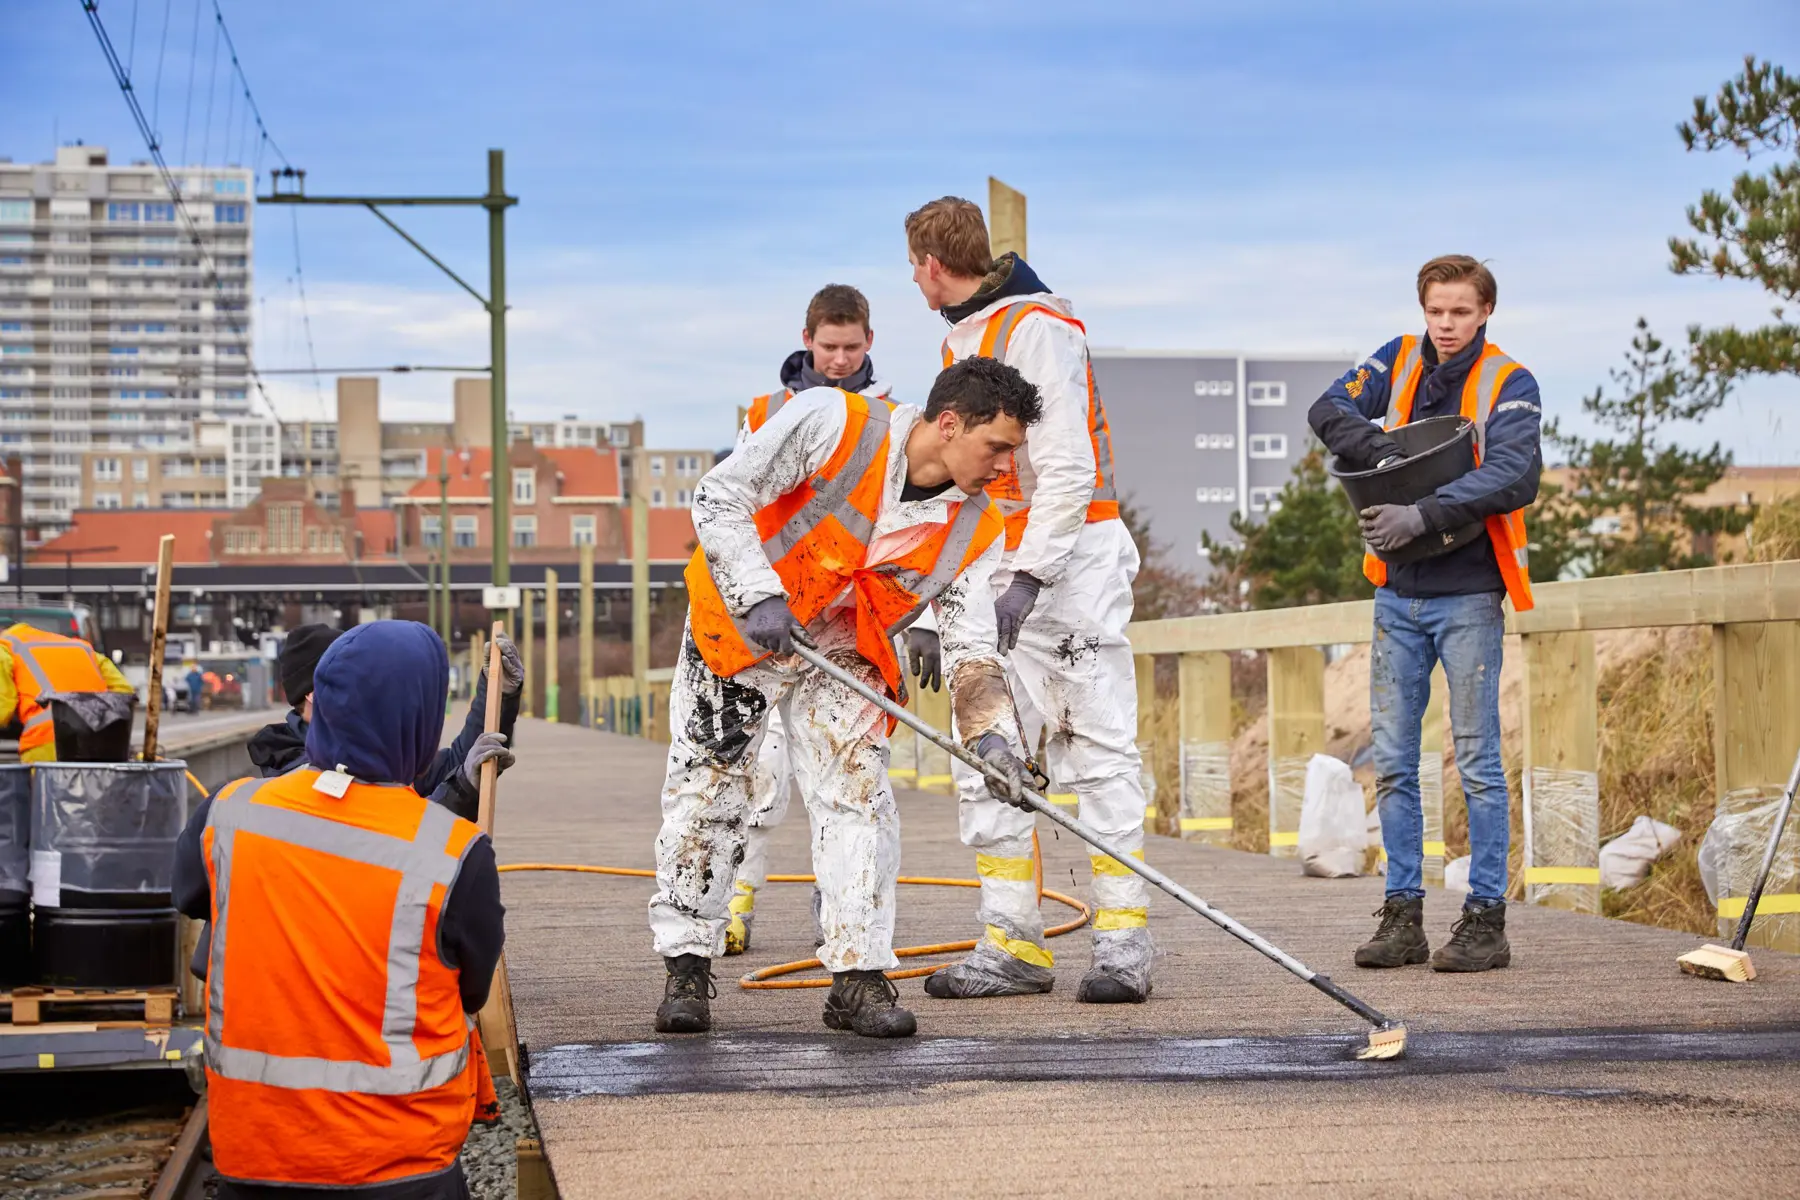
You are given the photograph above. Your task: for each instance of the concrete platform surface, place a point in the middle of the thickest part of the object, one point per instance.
(1590, 1067)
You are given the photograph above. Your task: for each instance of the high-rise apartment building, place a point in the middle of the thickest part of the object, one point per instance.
(116, 332)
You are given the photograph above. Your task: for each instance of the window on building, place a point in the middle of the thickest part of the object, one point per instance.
(462, 531)
(140, 469)
(106, 500)
(228, 214)
(1216, 495)
(1215, 441)
(160, 212)
(1268, 445)
(1265, 499)
(431, 532)
(15, 210)
(524, 531)
(656, 497)
(684, 497)
(283, 522)
(140, 499)
(581, 530)
(121, 212)
(656, 465)
(619, 435)
(687, 464)
(524, 481)
(1268, 393)
(228, 187)
(1214, 387)
(106, 470)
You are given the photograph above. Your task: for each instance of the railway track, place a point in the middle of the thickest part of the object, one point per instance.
(148, 1152)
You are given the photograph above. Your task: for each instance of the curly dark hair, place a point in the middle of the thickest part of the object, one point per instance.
(980, 389)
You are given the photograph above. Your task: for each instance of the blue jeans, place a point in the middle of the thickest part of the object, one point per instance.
(1466, 634)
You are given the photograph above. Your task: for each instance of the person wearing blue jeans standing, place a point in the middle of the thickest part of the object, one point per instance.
(1445, 607)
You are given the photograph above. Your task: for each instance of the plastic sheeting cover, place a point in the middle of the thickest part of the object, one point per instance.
(15, 827)
(1206, 791)
(1333, 830)
(107, 827)
(1731, 854)
(1287, 797)
(1562, 838)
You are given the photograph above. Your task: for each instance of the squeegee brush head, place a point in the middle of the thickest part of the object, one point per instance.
(1387, 1041)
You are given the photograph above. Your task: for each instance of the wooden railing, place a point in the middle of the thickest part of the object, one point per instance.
(615, 704)
(1754, 612)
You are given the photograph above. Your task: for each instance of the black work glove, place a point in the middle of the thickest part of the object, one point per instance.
(770, 624)
(925, 658)
(512, 667)
(1016, 775)
(1387, 527)
(488, 745)
(1013, 606)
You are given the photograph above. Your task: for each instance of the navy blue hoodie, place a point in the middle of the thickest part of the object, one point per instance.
(378, 712)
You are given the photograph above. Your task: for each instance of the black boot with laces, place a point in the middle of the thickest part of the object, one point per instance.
(867, 1003)
(1477, 941)
(1399, 940)
(686, 995)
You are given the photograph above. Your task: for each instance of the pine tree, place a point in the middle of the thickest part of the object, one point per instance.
(1628, 507)
(1308, 551)
(1754, 233)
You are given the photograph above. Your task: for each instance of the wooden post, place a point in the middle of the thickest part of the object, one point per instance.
(552, 648)
(1006, 219)
(159, 643)
(498, 1032)
(1144, 669)
(584, 632)
(1756, 731)
(934, 764)
(477, 658)
(1431, 778)
(1296, 733)
(1205, 698)
(527, 647)
(1560, 775)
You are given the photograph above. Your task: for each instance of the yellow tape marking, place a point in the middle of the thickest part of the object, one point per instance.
(1191, 824)
(926, 781)
(1103, 865)
(46, 1061)
(1020, 949)
(1121, 918)
(1066, 799)
(1732, 907)
(1287, 837)
(172, 1055)
(993, 866)
(1562, 875)
(903, 773)
(1436, 848)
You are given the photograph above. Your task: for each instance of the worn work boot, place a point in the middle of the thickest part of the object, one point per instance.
(686, 995)
(1477, 941)
(988, 971)
(867, 1003)
(1399, 940)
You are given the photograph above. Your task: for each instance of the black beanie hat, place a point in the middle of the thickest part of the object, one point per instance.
(299, 655)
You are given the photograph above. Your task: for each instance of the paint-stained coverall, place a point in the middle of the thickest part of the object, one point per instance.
(1072, 670)
(837, 742)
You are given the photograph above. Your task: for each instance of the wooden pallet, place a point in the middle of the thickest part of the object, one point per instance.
(27, 1003)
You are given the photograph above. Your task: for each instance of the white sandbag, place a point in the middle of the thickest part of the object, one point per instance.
(1625, 861)
(1333, 829)
(1456, 875)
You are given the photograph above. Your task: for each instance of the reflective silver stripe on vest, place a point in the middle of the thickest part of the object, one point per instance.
(831, 495)
(929, 585)
(1403, 365)
(1486, 388)
(1105, 483)
(423, 863)
(21, 652)
(776, 400)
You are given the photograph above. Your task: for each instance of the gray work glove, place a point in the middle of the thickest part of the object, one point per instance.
(770, 624)
(1013, 606)
(1387, 527)
(488, 745)
(997, 754)
(512, 667)
(925, 658)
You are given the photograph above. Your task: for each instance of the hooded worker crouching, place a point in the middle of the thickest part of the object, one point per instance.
(355, 930)
(844, 517)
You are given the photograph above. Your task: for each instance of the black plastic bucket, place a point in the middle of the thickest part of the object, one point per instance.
(1438, 450)
(104, 947)
(96, 728)
(15, 939)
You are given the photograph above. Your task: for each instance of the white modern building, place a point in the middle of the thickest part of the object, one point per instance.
(116, 331)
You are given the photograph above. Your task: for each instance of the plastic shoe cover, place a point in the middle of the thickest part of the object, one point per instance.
(867, 1003)
(1121, 970)
(988, 971)
(818, 909)
(737, 933)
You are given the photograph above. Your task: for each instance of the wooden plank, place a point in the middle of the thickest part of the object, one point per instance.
(1431, 779)
(159, 641)
(1296, 733)
(1144, 668)
(528, 646)
(534, 1179)
(552, 648)
(934, 764)
(1756, 732)
(1205, 783)
(584, 629)
(1006, 219)
(1314, 625)
(1561, 784)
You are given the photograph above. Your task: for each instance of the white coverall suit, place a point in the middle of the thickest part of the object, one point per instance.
(1071, 672)
(769, 795)
(837, 742)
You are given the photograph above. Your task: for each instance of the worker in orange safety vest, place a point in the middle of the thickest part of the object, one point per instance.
(34, 662)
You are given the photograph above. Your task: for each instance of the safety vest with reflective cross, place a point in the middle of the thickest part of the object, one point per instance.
(764, 407)
(337, 1050)
(1482, 387)
(47, 662)
(817, 539)
(1013, 489)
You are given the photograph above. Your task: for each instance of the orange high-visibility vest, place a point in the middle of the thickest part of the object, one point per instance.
(337, 1050)
(48, 662)
(764, 407)
(1009, 489)
(1486, 376)
(817, 539)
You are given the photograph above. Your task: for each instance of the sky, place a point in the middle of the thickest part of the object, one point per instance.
(1256, 176)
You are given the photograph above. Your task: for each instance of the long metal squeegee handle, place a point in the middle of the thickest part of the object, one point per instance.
(1768, 863)
(1097, 840)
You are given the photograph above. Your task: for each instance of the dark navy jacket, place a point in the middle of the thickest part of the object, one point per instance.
(378, 711)
(1507, 478)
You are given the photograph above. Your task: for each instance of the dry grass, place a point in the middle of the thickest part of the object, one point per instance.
(1775, 533)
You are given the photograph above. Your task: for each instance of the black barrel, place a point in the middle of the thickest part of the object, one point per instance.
(15, 864)
(105, 947)
(1438, 450)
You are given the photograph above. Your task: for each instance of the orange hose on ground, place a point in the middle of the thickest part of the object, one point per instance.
(766, 978)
